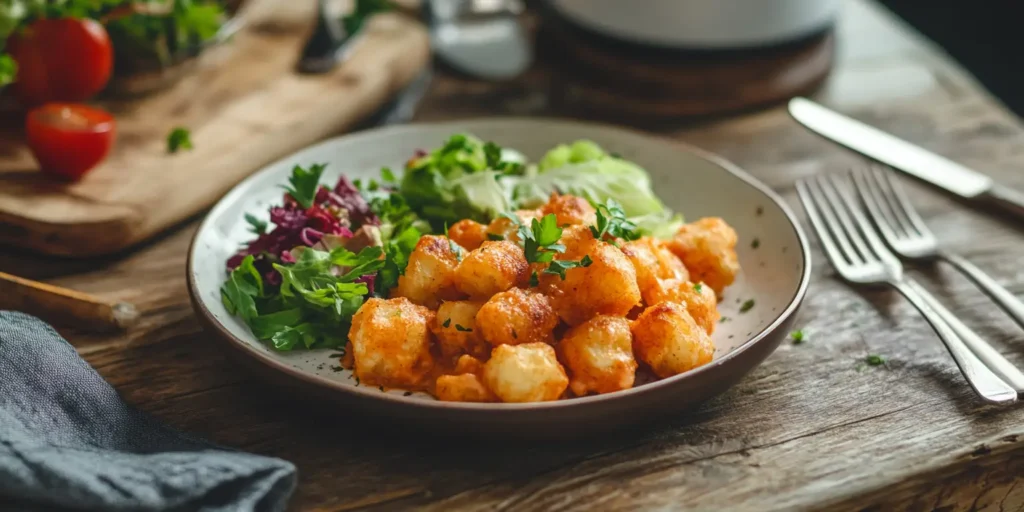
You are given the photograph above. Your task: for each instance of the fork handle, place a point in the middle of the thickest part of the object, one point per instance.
(981, 348)
(986, 384)
(1006, 300)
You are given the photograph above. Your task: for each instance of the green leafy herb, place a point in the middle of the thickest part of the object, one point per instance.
(797, 336)
(462, 329)
(559, 267)
(362, 11)
(446, 323)
(256, 226)
(746, 306)
(240, 291)
(874, 360)
(388, 175)
(534, 280)
(179, 138)
(396, 257)
(755, 243)
(8, 69)
(304, 184)
(494, 237)
(454, 247)
(724, 319)
(492, 153)
(540, 240)
(612, 223)
(698, 287)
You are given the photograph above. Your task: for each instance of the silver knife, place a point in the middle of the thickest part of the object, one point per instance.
(904, 156)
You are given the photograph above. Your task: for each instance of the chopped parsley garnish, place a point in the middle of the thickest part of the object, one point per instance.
(724, 319)
(460, 328)
(534, 280)
(747, 306)
(304, 183)
(540, 240)
(559, 267)
(455, 248)
(797, 336)
(698, 287)
(612, 223)
(874, 360)
(387, 175)
(492, 154)
(494, 237)
(256, 226)
(179, 138)
(446, 323)
(755, 243)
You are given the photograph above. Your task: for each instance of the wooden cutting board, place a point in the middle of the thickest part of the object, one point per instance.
(245, 106)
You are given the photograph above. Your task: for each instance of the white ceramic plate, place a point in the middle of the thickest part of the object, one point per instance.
(774, 274)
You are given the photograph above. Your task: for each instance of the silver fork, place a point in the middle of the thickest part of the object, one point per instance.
(860, 257)
(908, 236)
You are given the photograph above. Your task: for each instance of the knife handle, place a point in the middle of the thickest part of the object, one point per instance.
(1007, 199)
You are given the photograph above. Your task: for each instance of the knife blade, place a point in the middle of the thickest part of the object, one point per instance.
(904, 156)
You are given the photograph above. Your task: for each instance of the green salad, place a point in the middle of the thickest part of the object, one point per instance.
(315, 258)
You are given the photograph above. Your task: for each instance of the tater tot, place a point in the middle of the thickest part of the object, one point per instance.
(599, 355)
(569, 210)
(430, 275)
(669, 341)
(504, 228)
(466, 387)
(455, 329)
(493, 268)
(606, 287)
(657, 269)
(516, 317)
(469, 364)
(699, 300)
(708, 249)
(468, 233)
(391, 343)
(525, 373)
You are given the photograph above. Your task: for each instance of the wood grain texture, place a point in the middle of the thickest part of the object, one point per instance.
(245, 107)
(811, 429)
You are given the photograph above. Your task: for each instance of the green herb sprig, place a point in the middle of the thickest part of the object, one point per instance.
(304, 184)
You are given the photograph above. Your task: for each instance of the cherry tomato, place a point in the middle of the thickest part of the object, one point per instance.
(61, 60)
(68, 140)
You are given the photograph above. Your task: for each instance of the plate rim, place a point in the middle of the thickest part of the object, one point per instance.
(243, 347)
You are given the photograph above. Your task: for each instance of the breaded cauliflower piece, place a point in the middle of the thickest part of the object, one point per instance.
(569, 210)
(468, 233)
(466, 387)
(657, 269)
(525, 373)
(599, 355)
(493, 268)
(669, 341)
(430, 276)
(455, 329)
(516, 317)
(606, 287)
(699, 300)
(708, 249)
(504, 228)
(391, 343)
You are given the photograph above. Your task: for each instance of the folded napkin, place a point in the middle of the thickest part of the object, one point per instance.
(68, 441)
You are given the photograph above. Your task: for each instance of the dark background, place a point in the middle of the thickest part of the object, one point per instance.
(985, 36)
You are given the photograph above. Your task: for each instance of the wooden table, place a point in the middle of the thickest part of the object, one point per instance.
(809, 429)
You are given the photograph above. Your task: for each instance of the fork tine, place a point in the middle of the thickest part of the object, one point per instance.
(905, 204)
(832, 251)
(867, 188)
(827, 211)
(865, 226)
(898, 211)
(844, 218)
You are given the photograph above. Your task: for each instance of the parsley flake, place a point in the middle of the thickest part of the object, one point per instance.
(304, 184)
(534, 280)
(460, 328)
(446, 323)
(612, 223)
(874, 360)
(747, 306)
(179, 138)
(387, 175)
(797, 336)
(256, 226)
(560, 267)
(494, 237)
(698, 287)
(755, 243)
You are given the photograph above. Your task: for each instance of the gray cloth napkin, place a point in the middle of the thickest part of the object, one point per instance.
(68, 442)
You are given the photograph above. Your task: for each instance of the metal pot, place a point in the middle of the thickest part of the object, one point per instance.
(702, 24)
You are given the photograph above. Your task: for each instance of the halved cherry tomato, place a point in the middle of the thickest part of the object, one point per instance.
(68, 140)
(61, 60)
